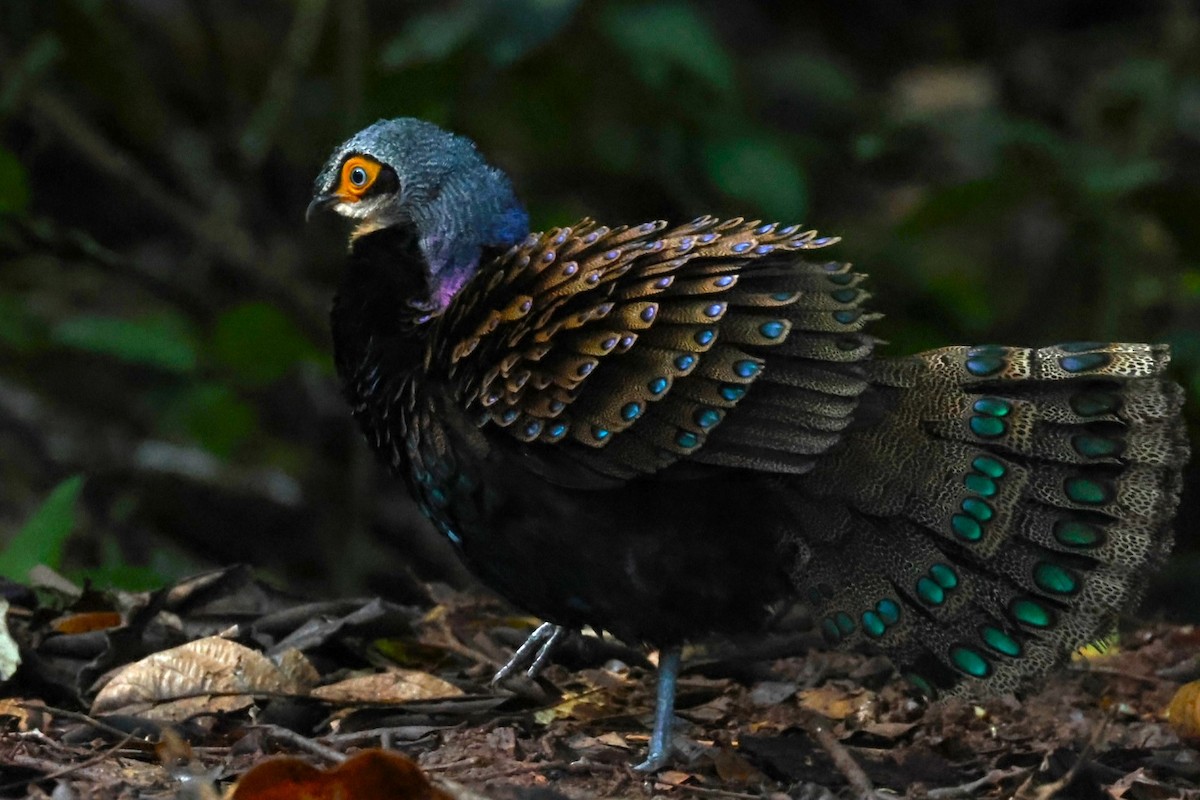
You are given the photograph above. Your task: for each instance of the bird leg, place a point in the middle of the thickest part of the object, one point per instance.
(534, 652)
(664, 711)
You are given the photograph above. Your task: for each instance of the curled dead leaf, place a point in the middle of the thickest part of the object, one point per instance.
(369, 775)
(178, 683)
(1184, 711)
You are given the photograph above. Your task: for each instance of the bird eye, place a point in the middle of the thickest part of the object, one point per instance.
(358, 175)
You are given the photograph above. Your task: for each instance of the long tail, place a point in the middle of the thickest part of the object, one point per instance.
(1004, 507)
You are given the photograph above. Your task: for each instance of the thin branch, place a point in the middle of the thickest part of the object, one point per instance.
(82, 765)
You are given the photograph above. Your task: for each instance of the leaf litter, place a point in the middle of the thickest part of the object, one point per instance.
(197, 690)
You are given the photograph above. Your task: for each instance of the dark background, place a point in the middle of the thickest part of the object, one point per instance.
(1023, 173)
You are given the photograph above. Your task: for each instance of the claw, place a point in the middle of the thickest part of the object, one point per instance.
(533, 654)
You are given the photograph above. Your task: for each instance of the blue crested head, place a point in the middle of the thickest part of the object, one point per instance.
(408, 172)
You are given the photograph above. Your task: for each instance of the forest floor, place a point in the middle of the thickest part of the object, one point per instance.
(136, 696)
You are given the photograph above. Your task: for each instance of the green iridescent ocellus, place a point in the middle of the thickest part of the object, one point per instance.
(661, 431)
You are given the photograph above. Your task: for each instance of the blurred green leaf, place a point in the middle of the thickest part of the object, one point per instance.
(41, 539)
(516, 27)
(41, 54)
(115, 572)
(664, 39)
(259, 343)
(14, 188)
(809, 77)
(1118, 179)
(213, 416)
(505, 29)
(759, 172)
(18, 327)
(962, 204)
(433, 36)
(162, 341)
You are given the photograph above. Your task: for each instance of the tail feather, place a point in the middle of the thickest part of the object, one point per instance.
(1001, 512)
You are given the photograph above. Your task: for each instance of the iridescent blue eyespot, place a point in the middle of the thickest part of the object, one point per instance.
(533, 428)
(706, 417)
(611, 254)
(771, 330)
(657, 385)
(557, 429)
(746, 368)
(648, 313)
(732, 392)
(741, 247)
(585, 369)
(687, 439)
(708, 237)
(704, 337)
(509, 415)
(715, 310)
(600, 433)
(685, 361)
(763, 249)
(723, 281)
(631, 411)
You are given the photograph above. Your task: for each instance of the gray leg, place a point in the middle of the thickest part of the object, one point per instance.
(533, 653)
(664, 712)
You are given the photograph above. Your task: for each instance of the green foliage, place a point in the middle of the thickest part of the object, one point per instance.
(1012, 178)
(18, 328)
(506, 30)
(213, 416)
(14, 187)
(163, 342)
(759, 172)
(665, 41)
(258, 343)
(41, 539)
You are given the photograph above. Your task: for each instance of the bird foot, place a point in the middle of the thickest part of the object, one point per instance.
(655, 761)
(533, 654)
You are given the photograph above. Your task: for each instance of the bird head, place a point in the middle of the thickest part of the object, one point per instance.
(407, 173)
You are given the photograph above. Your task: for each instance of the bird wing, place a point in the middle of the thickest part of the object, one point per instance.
(635, 348)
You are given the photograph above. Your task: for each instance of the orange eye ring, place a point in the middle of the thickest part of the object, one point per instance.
(358, 175)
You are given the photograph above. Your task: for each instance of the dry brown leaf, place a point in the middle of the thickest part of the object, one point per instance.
(732, 767)
(1184, 711)
(674, 777)
(393, 686)
(29, 714)
(177, 683)
(834, 701)
(369, 775)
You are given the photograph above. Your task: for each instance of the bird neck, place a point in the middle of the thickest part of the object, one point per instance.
(474, 211)
(381, 305)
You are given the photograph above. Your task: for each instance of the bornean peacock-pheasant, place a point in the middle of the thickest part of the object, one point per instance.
(660, 431)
